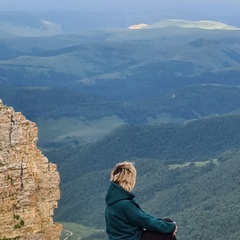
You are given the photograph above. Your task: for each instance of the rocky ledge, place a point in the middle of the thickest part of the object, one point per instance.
(29, 184)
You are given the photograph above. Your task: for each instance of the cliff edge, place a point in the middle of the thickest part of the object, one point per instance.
(29, 184)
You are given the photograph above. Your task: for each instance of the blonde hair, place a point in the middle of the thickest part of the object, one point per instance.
(124, 174)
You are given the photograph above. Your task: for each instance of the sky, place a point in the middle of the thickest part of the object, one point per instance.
(218, 10)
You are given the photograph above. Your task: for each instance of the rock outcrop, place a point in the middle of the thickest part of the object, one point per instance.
(29, 184)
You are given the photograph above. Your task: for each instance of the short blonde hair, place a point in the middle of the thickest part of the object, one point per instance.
(124, 174)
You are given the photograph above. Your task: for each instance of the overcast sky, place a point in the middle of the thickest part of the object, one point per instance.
(219, 10)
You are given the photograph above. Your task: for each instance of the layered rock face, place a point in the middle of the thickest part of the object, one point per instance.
(29, 184)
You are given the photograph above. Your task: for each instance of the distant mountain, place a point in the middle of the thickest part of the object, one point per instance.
(136, 77)
(23, 24)
(203, 24)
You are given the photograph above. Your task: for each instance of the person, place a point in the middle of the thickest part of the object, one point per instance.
(123, 216)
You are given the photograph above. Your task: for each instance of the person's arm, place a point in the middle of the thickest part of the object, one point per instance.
(151, 223)
(137, 217)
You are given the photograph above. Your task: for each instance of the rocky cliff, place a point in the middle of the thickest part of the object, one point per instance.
(29, 184)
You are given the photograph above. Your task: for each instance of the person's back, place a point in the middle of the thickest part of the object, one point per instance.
(124, 217)
(119, 207)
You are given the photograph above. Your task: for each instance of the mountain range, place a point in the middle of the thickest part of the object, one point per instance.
(165, 96)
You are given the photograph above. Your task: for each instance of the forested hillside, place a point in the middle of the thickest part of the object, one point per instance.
(140, 76)
(186, 171)
(169, 143)
(202, 197)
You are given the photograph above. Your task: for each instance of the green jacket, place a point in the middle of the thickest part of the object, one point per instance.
(126, 220)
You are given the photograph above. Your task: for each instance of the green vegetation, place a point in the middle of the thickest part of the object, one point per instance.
(180, 184)
(105, 73)
(20, 223)
(16, 216)
(197, 164)
(15, 238)
(81, 130)
(80, 232)
(9, 178)
(186, 194)
(170, 143)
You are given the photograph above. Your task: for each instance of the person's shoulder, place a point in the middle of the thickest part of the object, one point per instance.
(123, 202)
(127, 203)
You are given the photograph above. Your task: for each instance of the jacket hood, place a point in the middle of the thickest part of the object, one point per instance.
(116, 193)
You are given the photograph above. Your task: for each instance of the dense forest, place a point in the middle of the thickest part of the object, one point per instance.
(185, 171)
(202, 197)
(191, 102)
(169, 143)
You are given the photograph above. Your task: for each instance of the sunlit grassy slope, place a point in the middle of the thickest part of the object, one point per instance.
(77, 129)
